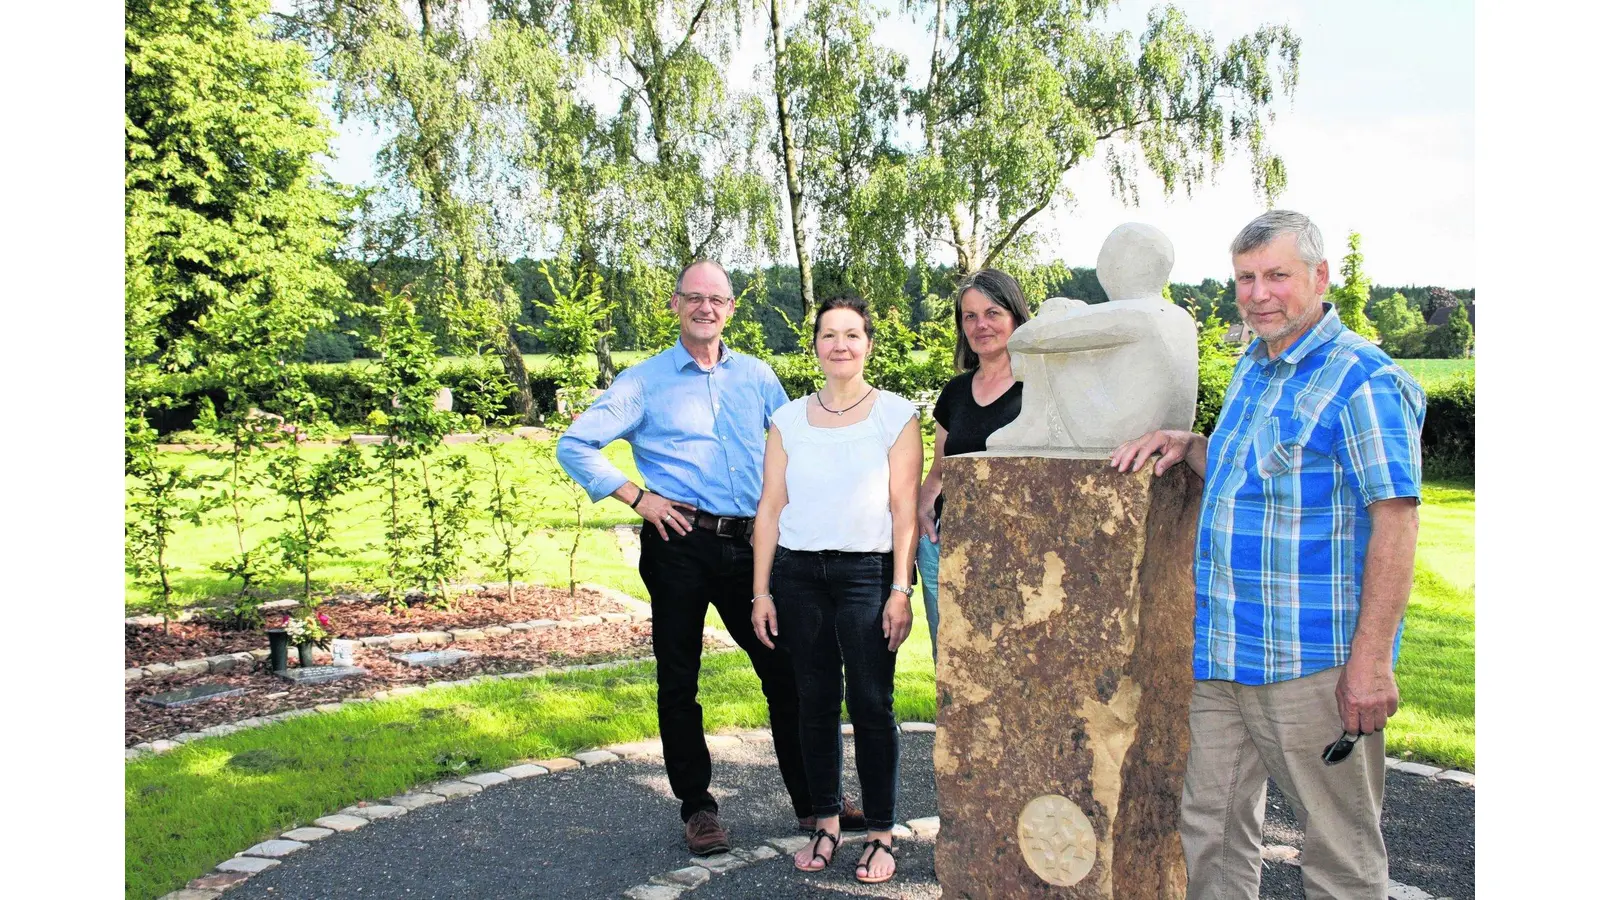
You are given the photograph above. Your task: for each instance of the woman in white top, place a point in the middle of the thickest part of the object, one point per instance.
(833, 541)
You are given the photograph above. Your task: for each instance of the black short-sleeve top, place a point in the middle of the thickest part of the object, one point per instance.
(968, 425)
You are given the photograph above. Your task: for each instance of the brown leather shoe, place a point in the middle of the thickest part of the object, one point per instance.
(705, 835)
(851, 818)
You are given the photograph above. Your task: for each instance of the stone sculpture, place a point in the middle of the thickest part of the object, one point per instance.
(1097, 375)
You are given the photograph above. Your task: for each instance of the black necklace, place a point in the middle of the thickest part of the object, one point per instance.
(840, 412)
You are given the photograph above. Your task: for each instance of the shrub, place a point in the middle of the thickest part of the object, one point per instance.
(345, 394)
(1448, 429)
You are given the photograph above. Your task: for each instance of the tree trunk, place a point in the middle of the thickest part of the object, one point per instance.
(589, 268)
(511, 356)
(790, 165)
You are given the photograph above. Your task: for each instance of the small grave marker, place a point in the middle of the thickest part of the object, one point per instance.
(320, 674)
(431, 657)
(193, 694)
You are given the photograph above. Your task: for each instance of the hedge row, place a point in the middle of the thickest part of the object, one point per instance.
(346, 397)
(1448, 430)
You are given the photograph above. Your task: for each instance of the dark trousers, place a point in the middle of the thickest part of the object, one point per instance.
(830, 612)
(683, 576)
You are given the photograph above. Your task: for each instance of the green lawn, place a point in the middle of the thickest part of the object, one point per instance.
(1437, 666)
(1434, 372)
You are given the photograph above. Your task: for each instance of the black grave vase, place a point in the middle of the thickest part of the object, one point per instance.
(278, 647)
(305, 654)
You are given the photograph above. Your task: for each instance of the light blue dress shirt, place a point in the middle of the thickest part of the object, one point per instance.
(698, 436)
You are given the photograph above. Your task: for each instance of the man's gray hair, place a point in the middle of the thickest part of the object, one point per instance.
(677, 286)
(1274, 223)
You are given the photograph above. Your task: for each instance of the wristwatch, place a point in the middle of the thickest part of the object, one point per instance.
(901, 588)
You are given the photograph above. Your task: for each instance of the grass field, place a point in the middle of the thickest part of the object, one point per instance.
(1432, 372)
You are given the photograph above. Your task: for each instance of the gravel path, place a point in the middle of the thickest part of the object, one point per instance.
(595, 833)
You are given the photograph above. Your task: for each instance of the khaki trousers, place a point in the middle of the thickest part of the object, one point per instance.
(1239, 735)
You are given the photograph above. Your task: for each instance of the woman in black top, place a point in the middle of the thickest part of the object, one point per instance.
(972, 406)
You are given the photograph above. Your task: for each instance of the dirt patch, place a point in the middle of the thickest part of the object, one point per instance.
(268, 694)
(208, 635)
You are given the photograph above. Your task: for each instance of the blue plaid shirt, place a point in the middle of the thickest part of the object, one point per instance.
(1303, 445)
(698, 436)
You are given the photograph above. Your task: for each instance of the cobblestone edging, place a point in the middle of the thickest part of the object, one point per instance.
(638, 611)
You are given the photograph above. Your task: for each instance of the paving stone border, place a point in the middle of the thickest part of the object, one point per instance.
(638, 611)
(668, 885)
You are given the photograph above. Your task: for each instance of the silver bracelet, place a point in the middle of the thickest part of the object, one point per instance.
(760, 597)
(901, 588)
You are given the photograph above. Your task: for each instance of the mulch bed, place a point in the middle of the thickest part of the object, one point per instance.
(268, 694)
(206, 636)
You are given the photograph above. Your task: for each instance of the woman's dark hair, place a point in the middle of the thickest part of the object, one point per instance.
(843, 301)
(1004, 292)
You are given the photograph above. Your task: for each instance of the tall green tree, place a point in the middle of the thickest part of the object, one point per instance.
(1021, 92)
(230, 219)
(423, 73)
(676, 172)
(838, 95)
(1350, 297)
(1394, 316)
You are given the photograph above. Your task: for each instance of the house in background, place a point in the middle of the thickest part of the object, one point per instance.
(1239, 333)
(1442, 314)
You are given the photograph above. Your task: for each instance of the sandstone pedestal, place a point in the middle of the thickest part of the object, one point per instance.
(1066, 603)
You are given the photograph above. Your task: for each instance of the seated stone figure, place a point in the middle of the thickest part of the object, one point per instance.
(1097, 375)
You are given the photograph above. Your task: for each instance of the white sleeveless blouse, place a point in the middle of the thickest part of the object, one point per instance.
(838, 478)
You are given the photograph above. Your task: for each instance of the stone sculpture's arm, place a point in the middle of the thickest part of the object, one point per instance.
(1089, 329)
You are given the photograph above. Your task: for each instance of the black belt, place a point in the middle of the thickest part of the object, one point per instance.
(722, 526)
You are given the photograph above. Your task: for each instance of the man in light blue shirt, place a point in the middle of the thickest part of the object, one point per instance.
(696, 415)
(1303, 563)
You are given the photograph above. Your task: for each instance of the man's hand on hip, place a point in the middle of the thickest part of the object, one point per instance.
(1367, 694)
(662, 513)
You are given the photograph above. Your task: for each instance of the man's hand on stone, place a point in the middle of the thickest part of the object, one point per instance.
(896, 619)
(662, 513)
(1168, 446)
(1367, 695)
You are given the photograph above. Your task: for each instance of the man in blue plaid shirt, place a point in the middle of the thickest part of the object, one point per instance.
(1303, 561)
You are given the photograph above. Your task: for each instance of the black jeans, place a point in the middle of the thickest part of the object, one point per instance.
(830, 612)
(683, 576)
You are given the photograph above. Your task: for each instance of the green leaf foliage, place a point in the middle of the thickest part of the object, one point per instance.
(1020, 92)
(1350, 297)
(230, 221)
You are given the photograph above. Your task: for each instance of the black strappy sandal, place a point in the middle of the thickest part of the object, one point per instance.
(873, 847)
(816, 838)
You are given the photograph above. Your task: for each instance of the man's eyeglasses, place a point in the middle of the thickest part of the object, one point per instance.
(1338, 750)
(715, 301)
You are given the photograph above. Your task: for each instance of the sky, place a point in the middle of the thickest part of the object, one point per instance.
(1378, 138)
